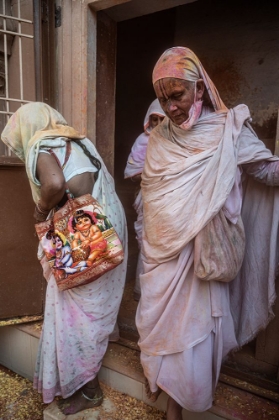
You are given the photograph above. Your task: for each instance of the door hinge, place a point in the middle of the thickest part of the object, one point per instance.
(58, 16)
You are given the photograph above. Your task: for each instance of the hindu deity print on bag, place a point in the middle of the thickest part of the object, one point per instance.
(79, 242)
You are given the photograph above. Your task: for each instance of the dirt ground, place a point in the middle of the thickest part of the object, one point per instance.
(18, 401)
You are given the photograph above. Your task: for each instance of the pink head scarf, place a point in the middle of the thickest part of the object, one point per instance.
(182, 63)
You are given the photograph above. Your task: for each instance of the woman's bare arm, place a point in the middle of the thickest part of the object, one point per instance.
(52, 181)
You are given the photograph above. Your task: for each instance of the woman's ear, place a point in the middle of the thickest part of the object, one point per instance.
(199, 89)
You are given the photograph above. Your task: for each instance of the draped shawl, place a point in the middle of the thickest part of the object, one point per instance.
(187, 178)
(34, 125)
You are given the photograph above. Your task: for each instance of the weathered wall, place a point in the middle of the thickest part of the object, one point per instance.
(238, 44)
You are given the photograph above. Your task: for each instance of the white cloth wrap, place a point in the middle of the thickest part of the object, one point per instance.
(78, 322)
(187, 179)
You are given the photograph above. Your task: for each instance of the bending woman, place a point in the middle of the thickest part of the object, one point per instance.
(77, 322)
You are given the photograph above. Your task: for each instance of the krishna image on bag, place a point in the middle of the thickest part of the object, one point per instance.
(79, 242)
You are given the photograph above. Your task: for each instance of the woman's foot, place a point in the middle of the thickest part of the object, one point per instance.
(152, 396)
(87, 397)
(174, 410)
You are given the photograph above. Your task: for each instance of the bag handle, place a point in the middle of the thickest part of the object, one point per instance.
(67, 155)
(92, 158)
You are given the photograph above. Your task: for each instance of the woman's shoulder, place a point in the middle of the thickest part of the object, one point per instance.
(141, 140)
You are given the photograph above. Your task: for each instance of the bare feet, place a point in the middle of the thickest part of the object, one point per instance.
(89, 396)
(174, 410)
(152, 396)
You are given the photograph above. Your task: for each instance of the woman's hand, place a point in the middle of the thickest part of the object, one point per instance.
(40, 214)
(136, 178)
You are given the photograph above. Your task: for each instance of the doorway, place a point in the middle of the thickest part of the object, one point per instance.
(136, 55)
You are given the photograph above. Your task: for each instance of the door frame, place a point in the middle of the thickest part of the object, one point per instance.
(77, 78)
(80, 56)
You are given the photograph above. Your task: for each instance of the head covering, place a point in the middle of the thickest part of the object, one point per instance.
(154, 109)
(182, 63)
(35, 122)
(137, 155)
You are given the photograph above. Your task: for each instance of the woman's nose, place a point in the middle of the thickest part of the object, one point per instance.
(171, 106)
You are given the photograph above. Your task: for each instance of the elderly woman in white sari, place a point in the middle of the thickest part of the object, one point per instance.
(78, 321)
(133, 170)
(201, 230)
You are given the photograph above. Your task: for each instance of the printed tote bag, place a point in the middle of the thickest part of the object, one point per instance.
(79, 242)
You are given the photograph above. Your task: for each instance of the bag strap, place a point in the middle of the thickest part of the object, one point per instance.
(67, 155)
(92, 158)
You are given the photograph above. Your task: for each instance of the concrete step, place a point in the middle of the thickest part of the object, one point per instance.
(122, 371)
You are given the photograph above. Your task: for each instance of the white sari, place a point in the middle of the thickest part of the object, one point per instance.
(185, 324)
(78, 322)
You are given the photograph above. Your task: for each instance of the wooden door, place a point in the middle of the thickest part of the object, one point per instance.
(21, 281)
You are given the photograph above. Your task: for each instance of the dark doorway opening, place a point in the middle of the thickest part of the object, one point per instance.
(140, 41)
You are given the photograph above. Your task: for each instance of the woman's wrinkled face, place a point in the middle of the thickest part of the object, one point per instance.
(176, 97)
(154, 120)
